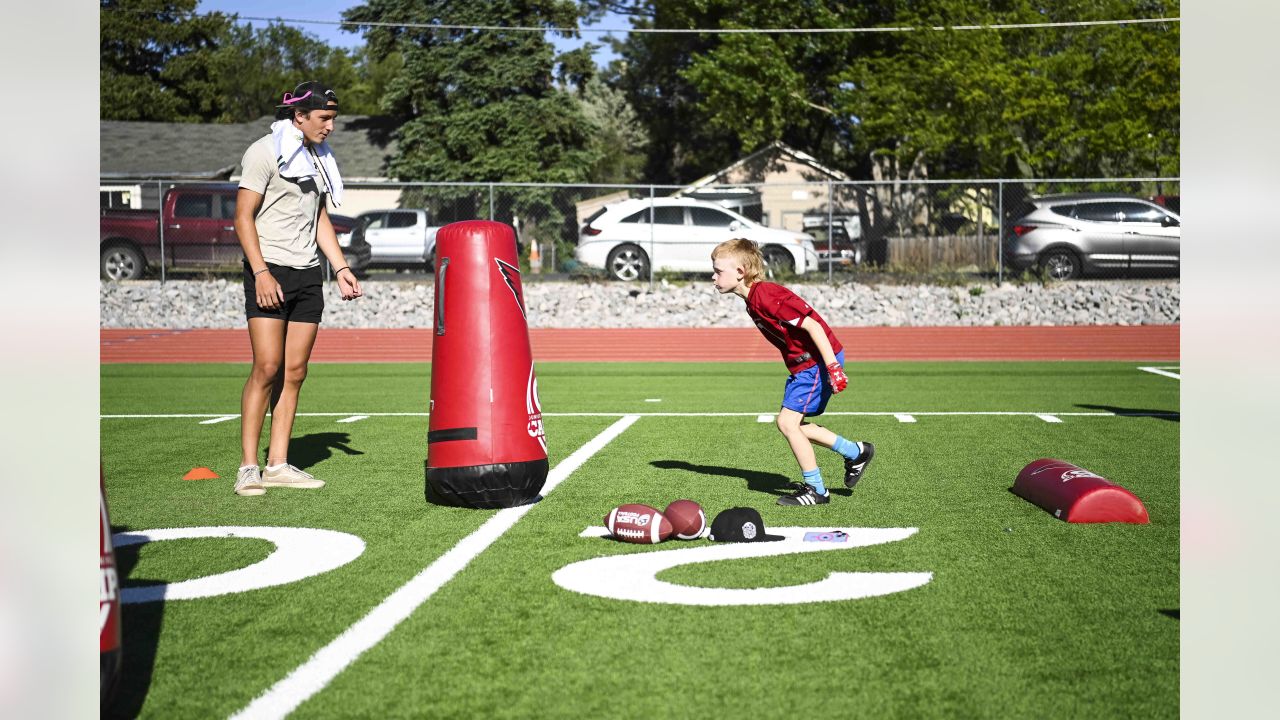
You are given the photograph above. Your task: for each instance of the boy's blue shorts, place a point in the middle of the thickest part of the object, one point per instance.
(809, 390)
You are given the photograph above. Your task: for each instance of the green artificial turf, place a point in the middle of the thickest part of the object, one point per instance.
(1025, 616)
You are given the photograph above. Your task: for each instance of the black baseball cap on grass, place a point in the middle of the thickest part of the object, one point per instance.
(740, 524)
(310, 95)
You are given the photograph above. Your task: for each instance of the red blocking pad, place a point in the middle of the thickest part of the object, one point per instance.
(486, 447)
(1072, 493)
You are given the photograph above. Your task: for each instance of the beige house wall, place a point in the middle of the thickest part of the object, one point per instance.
(793, 189)
(359, 200)
(590, 205)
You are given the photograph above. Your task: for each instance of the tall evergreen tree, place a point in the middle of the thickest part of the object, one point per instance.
(1044, 102)
(157, 60)
(479, 105)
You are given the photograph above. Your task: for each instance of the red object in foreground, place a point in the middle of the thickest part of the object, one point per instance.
(108, 602)
(1077, 495)
(486, 447)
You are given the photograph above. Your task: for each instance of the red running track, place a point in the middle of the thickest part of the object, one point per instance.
(1074, 342)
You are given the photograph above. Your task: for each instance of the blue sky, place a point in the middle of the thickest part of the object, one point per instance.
(332, 10)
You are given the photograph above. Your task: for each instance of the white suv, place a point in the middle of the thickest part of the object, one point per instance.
(621, 239)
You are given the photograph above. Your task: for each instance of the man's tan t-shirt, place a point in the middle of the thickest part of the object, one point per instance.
(286, 221)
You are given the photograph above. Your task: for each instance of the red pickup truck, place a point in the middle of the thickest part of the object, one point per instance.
(197, 223)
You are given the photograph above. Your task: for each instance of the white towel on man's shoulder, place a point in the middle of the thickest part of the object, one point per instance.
(295, 161)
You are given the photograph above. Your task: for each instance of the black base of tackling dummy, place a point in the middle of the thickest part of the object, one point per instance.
(485, 487)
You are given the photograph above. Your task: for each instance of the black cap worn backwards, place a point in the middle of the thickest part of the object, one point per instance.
(740, 524)
(310, 95)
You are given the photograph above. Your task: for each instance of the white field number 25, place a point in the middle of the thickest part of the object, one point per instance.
(304, 552)
(634, 576)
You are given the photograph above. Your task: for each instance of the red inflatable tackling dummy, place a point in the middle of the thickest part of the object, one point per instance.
(1077, 495)
(109, 653)
(485, 444)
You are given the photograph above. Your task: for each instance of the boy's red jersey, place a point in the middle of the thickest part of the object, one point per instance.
(778, 313)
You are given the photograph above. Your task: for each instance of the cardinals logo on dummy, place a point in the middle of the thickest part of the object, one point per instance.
(511, 274)
(635, 523)
(535, 410)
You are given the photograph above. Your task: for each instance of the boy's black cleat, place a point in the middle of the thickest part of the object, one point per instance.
(804, 494)
(854, 468)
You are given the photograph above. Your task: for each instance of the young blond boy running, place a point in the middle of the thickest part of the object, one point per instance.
(813, 356)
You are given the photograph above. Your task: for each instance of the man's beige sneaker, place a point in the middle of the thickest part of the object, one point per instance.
(289, 476)
(249, 481)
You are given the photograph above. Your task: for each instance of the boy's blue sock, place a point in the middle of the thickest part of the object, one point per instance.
(813, 478)
(847, 448)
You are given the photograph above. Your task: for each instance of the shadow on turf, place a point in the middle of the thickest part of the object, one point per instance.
(763, 482)
(140, 635)
(1175, 613)
(309, 450)
(1134, 412)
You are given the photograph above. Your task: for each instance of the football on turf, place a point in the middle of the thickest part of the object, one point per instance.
(688, 521)
(637, 523)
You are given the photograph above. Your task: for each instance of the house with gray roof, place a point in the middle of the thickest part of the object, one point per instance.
(137, 160)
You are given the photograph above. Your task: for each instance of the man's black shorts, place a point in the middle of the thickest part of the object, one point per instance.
(303, 294)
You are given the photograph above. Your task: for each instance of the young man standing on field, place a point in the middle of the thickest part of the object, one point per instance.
(283, 224)
(811, 353)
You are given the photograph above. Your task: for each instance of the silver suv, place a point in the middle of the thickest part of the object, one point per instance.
(1069, 235)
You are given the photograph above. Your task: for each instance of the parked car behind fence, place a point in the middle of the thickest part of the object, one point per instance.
(398, 237)
(905, 227)
(678, 234)
(1067, 236)
(193, 229)
(847, 246)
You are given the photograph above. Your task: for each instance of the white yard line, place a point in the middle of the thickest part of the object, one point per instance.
(764, 418)
(905, 418)
(1049, 418)
(310, 414)
(220, 418)
(1164, 370)
(888, 413)
(313, 675)
(353, 418)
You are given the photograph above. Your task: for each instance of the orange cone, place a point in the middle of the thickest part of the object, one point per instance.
(200, 473)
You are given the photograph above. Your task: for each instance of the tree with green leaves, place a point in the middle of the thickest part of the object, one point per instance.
(618, 138)
(649, 71)
(157, 60)
(255, 67)
(478, 105)
(482, 105)
(1064, 101)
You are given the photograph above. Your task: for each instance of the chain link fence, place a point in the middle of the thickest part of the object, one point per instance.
(1054, 229)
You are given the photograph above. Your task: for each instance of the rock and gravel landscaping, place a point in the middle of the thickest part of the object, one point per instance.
(556, 304)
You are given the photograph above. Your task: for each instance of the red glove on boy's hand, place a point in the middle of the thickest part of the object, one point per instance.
(839, 381)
